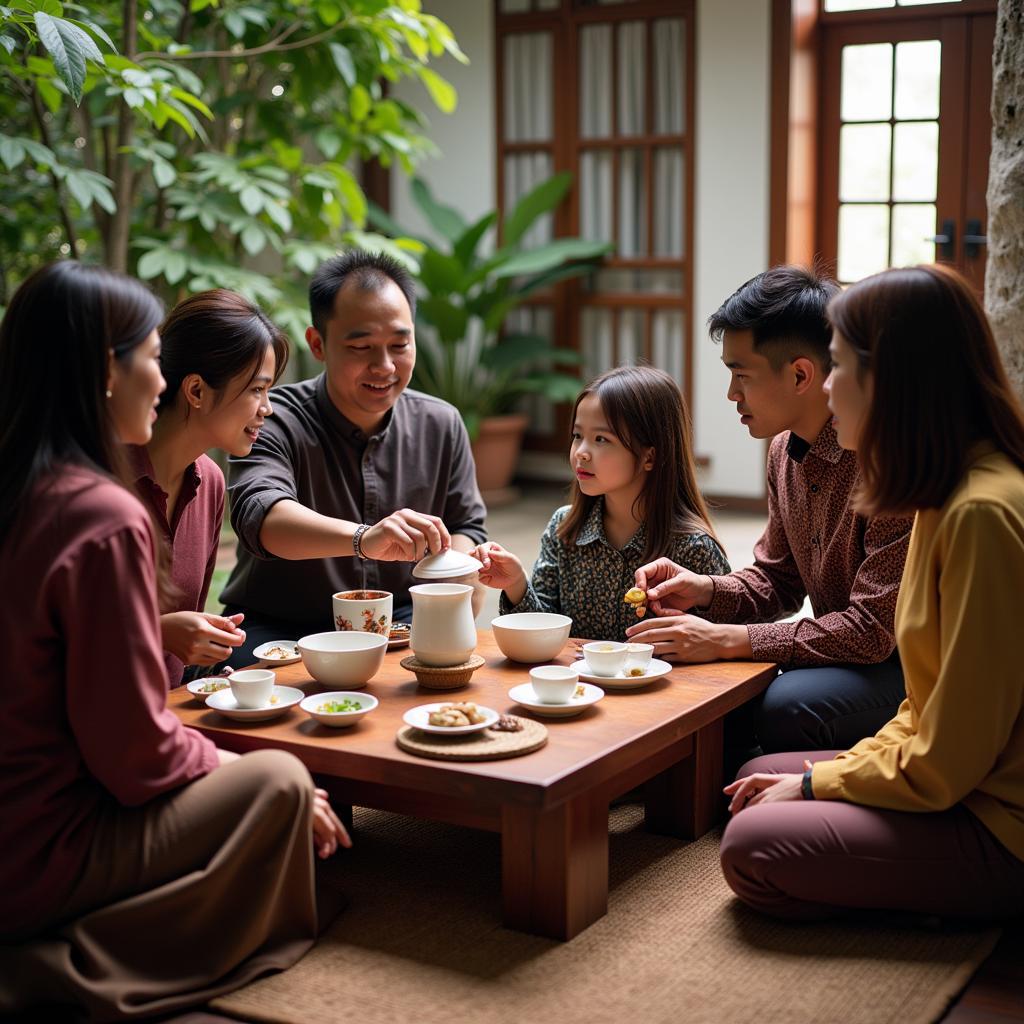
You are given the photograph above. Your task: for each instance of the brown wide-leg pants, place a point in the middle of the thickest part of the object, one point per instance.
(812, 859)
(183, 899)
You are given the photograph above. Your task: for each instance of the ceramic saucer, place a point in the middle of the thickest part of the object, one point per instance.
(655, 670)
(524, 695)
(224, 702)
(419, 718)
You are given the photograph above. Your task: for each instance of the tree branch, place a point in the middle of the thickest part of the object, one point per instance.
(117, 248)
(65, 215)
(274, 46)
(100, 215)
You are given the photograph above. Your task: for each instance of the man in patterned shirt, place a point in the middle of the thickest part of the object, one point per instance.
(841, 678)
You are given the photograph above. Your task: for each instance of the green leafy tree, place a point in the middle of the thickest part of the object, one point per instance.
(204, 143)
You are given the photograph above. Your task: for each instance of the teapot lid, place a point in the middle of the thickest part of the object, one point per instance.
(446, 565)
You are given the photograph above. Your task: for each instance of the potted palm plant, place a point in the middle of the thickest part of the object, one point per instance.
(468, 289)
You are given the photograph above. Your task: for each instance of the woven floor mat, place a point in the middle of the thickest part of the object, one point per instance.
(421, 941)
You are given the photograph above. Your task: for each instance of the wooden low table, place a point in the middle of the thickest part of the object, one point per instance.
(551, 806)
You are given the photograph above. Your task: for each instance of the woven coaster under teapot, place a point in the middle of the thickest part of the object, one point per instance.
(450, 677)
(488, 745)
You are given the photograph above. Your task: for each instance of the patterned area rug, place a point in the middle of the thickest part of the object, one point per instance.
(421, 941)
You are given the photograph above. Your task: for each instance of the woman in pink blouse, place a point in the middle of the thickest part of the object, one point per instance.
(220, 354)
(124, 835)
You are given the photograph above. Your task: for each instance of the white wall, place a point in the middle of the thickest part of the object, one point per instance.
(463, 175)
(731, 197)
(731, 218)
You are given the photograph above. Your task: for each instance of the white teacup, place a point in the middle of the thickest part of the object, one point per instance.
(554, 684)
(252, 687)
(638, 656)
(366, 611)
(604, 657)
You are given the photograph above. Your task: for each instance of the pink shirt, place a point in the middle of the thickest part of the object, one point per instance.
(83, 719)
(191, 532)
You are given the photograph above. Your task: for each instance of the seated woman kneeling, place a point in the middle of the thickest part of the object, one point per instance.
(927, 816)
(144, 869)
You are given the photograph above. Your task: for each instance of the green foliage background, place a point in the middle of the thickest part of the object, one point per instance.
(205, 143)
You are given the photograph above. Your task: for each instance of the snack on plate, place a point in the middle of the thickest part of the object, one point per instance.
(634, 672)
(333, 707)
(278, 652)
(399, 631)
(213, 686)
(508, 723)
(638, 599)
(581, 690)
(463, 713)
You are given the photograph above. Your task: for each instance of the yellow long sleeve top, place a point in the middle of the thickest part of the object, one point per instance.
(959, 735)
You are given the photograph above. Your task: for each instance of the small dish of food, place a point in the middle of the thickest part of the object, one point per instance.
(278, 652)
(630, 678)
(451, 718)
(339, 708)
(202, 689)
(399, 635)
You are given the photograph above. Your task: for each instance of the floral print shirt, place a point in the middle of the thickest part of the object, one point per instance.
(586, 580)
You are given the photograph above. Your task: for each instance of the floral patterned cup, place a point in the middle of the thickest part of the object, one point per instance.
(366, 611)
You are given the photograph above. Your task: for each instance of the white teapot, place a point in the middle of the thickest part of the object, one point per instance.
(443, 629)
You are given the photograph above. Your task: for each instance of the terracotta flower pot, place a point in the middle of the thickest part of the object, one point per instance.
(496, 453)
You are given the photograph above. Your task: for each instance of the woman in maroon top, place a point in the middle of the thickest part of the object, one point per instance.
(220, 354)
(123, 834)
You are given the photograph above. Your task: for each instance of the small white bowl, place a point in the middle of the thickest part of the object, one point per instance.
(604, 657)
(531, 637)
(554, 684)
(343, 658)
(201, 695)
(338, 719)
(252, 687)
(638, 656)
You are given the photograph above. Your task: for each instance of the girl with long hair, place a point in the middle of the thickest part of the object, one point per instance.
(124, 835)
(634, 498)
(220, 355)
(927, 815)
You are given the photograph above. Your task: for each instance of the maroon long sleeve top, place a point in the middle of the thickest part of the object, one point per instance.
(83, 718)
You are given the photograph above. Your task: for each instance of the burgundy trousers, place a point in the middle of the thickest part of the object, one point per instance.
(813, 859)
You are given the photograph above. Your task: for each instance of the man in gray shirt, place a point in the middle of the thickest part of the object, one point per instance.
(355, 476)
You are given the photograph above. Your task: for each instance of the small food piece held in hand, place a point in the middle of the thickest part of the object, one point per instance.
(508, 723)
(213, 686)
(333, 707)
(638, 599)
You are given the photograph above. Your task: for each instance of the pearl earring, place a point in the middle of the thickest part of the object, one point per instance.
(110, 394)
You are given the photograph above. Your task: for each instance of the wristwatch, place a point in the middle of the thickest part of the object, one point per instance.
(357, 545)
(806, 788)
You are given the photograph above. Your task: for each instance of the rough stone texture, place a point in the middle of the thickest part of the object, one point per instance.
(1004, 275)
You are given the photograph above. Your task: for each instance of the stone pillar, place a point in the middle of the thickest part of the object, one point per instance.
(1004, 274)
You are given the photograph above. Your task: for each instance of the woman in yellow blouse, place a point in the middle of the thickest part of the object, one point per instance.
(928, 815)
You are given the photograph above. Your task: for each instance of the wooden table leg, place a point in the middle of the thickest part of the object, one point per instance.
(686, 800)
(554, 867)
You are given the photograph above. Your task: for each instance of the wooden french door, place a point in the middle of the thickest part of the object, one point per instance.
(905, 134)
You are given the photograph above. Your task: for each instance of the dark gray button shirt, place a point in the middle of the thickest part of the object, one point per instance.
(308, 452)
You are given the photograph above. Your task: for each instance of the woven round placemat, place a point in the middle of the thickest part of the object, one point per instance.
(477, 746)
(450, 677)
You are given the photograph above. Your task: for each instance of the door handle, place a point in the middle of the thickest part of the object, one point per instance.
(973, 238)
(946, 239)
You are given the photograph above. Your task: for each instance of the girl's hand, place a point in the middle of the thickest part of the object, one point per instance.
(763, 788)
(501, 570)
(328, 831)
(196, 638)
